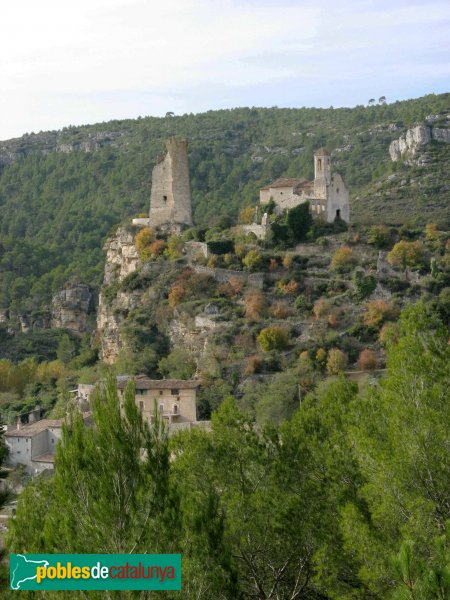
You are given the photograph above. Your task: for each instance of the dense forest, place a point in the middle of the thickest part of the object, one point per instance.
(57, 207)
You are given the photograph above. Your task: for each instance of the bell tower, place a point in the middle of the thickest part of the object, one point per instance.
(322, 172)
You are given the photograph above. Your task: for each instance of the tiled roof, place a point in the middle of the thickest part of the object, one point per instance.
(284, 182)
(143, 383)
(34, 428)
(37, 427)
(45, 458)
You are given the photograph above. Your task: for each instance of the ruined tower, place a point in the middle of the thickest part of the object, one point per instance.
(170, 200)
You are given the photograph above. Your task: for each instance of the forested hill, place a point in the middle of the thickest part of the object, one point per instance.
(62, 192)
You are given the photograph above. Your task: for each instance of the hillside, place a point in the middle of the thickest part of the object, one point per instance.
(62, 192)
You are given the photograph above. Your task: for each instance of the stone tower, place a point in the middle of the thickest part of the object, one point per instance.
(170, 200)
(322, 172)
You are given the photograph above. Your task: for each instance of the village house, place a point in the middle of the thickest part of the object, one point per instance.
(174, 399)
(34, 445)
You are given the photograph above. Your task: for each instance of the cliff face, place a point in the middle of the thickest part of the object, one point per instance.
(122, 259)
(72, 307)
(54, 141)
(415, 138)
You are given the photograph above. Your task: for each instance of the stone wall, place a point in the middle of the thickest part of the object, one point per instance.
(170, 200)
(222, 275)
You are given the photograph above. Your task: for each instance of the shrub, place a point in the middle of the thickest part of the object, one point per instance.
(143, 239)
(254, 304)
(252, 260)
(176, 294)
(280, 310)
(332, 319)
(379, 311)
(254, 364)
(221, 247)
(322, 308)
(273, 264)
(155, 249)
(431, 232)
(367, 360)
(321, 356)
(364, 284)
(343, 258)
(388, 333)
(337, 361)
(247, 214)
(406, 255)
(288, 288)
(378, 235)
(174, 248)
(273, 338)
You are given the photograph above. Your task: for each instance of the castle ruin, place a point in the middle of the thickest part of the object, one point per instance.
(170, 200)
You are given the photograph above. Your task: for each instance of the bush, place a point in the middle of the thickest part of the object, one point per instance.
(322, 308)
(379, 311)
(378, 235)
(343, 258)
(254, 304)
(337, 361)
(279, 310)
(143, 239)
(273, 338)
(364, 284)
(407, 255)
(367, 360)
(221, 247)
(252, 260)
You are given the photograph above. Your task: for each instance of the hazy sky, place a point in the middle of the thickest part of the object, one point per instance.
(66, 62)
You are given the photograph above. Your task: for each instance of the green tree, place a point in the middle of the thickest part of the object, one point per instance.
(400, 436)
(407, 255)
(179, 364)
(273, 338)
(66, 349)
(299, 221)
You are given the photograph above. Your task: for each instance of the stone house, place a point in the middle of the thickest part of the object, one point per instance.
(34, 445)
(175, 399)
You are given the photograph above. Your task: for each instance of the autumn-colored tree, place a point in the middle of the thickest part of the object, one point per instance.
(288, 259)
(431, 232)
(321, 308)
(236, 284)
(388, 333)
(252, 260)
(253, 365)
(343, 258)
(247, 215)
(155, 249)
(379, 311)
(288, 288)
(367, 360)
(142, 241)
(321, 356)
(273, 264)
(174, 247)
(337, 361)
(273, 338)
(280, 310)
(303, 355)
(176, 294)
(332, 319)
(254, 304)
(407, 255)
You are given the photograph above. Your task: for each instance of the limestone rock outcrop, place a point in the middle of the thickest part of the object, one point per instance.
(416, 137)
(72, 308)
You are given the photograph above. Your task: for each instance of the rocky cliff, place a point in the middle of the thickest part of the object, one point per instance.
(415, 138)
(122, 259)
(72, 309)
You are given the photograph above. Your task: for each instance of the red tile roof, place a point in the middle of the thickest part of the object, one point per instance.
(285, 182)
(144, 383)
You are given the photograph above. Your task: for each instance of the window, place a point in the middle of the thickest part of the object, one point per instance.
(53, 441)
(165, 198)
(161, 392)
(175, 409)
(337, 190)
(141, 405)
(174, 392)
(319, 164)
(161, 408)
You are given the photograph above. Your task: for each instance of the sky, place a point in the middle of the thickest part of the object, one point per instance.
(73, 62)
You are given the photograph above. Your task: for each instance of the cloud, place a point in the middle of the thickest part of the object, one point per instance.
(65, 62)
